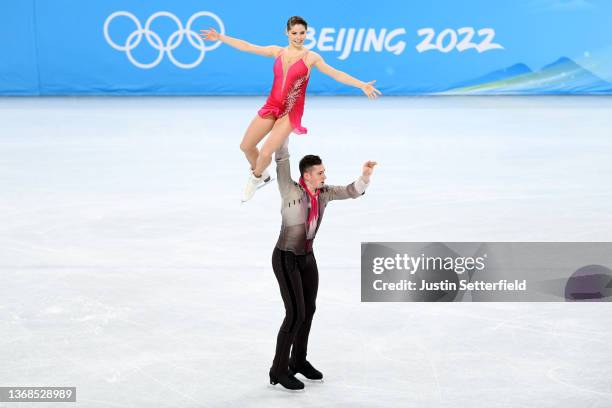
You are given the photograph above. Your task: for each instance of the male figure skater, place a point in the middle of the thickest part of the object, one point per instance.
(294, 263)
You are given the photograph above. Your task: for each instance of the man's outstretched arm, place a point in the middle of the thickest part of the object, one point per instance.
(356, 188)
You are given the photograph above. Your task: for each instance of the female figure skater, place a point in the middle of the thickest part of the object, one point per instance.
(282, 112)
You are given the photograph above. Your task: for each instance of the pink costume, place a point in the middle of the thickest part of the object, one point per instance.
(288, 93)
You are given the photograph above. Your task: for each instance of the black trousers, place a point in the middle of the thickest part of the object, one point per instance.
(298, 279)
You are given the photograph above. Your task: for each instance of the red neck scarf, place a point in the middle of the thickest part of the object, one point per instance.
(314, 202)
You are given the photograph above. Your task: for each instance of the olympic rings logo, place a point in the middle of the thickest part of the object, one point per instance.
(174, 40)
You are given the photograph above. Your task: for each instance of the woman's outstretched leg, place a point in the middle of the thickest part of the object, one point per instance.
(280, 131)
(256, 131)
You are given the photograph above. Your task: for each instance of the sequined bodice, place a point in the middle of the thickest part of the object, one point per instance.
(288, 92)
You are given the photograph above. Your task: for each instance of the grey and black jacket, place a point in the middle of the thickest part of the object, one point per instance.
(296, 205)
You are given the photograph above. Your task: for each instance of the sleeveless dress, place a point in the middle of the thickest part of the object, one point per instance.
(288, 98)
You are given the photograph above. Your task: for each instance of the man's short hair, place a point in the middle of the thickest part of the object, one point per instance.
(307, 162)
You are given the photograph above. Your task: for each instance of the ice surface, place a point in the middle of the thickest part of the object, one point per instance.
(131, 271)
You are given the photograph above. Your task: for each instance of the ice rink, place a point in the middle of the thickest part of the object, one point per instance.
(131, 270)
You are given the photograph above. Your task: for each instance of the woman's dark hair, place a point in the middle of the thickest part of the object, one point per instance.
(296, 20)
(307, 162)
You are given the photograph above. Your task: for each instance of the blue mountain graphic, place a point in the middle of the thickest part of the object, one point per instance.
(509, 72)
(564, 76)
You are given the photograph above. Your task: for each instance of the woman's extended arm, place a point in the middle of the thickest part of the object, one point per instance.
(267, 51)
(345, 78)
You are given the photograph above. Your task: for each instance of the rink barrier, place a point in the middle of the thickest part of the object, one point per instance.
(474, 47)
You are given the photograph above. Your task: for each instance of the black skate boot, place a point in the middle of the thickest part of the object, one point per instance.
(306, 369)
(287, 380)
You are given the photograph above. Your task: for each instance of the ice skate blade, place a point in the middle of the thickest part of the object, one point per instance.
(321, 381)
(265, 183)
(278, 387)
